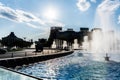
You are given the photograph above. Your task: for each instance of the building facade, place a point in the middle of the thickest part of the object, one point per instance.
(57, 35)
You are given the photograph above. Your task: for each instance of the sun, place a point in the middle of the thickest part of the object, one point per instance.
(50, 13)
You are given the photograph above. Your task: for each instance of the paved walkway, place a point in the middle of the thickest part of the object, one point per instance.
(26, 52)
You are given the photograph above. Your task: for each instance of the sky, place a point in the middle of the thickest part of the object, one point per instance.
(33, 18)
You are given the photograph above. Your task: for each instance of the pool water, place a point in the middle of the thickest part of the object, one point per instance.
(6, 74)
(77, 66)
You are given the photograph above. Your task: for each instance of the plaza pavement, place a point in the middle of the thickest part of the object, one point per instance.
(25, 53)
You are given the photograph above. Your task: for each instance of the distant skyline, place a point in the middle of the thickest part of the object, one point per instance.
(33, 18)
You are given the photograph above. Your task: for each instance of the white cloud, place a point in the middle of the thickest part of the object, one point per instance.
(109, 6)
(83, 5)
(21, 16)
(94, 1)
(119, 19)
(18, 15)
(31, 25)
(105, 13)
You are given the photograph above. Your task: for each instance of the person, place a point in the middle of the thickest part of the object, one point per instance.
(39, 47)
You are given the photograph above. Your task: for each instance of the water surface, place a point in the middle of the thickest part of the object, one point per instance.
(77, 66)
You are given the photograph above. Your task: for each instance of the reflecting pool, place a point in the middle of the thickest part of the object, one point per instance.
(77, 66)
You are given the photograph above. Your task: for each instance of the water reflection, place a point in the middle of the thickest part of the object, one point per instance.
(77, 66)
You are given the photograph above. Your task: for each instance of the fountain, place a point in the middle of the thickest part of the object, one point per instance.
(105, 20)
(75, 45)
(54, 45)
(85, 44)
(101, 42)
(104, 38)
(64, 44)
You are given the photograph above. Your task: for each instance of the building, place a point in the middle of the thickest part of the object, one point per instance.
(57, 35)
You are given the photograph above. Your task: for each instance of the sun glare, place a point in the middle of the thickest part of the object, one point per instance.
(50, 13)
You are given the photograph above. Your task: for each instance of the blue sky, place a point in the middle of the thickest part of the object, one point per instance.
(27, 17)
